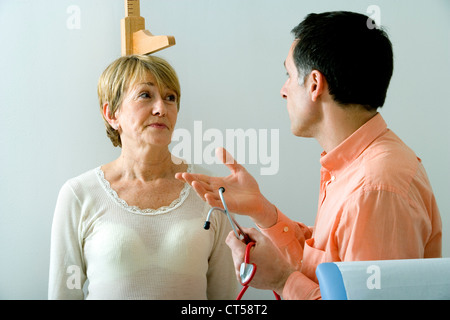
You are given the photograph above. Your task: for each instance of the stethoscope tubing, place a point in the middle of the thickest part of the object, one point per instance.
(233, 222)
(246, 238)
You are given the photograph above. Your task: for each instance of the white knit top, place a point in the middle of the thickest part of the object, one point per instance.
(116, 251)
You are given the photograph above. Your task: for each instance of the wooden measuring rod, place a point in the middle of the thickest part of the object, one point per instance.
(137, 40)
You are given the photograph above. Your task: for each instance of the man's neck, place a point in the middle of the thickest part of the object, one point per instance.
(340, 122)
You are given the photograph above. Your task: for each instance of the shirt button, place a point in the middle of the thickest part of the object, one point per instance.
(286, 229)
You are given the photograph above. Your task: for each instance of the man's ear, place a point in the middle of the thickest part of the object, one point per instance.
(317, 84)
(111, 118)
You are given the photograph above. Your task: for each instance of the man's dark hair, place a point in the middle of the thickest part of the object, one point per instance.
(354, 56)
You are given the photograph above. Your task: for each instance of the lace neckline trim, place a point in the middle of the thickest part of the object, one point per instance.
(134, 209)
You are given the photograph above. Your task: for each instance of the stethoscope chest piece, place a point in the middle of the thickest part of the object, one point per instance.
(246, 272)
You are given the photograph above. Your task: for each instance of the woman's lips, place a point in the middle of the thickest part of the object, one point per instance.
(158, 126)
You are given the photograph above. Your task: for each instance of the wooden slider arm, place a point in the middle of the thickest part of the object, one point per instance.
(135, 39)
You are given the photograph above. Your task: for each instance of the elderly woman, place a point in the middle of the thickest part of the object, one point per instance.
(128, 229)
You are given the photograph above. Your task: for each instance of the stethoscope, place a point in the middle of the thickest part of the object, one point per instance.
(247, 270)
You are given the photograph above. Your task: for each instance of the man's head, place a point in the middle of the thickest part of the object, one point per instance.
(355, 58)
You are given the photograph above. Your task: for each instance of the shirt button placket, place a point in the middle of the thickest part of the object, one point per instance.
(327, 179)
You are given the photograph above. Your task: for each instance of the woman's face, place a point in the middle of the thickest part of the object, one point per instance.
(146, 116)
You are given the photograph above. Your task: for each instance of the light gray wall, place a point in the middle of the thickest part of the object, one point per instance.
(229, 57)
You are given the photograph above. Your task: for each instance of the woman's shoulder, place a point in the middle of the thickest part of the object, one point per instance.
(84, 181)
(86, 176)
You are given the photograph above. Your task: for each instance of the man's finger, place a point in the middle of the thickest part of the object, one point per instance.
(190, 177)
(213, 200)
(237, 251)
(227, 159)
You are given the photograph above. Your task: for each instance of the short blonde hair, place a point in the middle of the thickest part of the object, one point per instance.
(125, 72)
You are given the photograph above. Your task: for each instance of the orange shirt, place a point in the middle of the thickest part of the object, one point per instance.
(375, 203)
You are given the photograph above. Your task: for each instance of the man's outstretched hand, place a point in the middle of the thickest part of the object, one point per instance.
(242, 194)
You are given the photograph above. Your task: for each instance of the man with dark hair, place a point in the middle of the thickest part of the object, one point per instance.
(356, 61)
(375, 200)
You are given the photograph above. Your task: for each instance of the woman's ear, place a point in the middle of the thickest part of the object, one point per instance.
(111, 118)
(317, 84)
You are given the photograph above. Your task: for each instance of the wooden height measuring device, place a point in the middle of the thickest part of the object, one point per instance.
(137, 40)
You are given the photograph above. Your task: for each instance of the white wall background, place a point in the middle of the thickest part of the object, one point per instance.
(229, 57)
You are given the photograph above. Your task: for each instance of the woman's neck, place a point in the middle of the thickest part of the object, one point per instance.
(146, 164)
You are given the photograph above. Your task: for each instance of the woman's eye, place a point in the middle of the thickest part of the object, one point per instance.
(171, 97)
(144, 95)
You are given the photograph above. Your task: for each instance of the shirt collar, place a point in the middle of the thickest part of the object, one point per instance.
(350, 149)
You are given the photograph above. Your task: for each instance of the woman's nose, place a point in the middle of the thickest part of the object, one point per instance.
(159, 107)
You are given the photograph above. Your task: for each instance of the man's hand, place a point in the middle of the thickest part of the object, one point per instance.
(272, 269)
(242, 194)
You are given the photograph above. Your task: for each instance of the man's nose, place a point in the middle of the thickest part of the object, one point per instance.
(283, 91)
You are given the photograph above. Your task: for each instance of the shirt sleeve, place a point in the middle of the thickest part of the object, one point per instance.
(375, 224)
(300, 287)
(290, 236)
(67, 270)
(381, 225)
